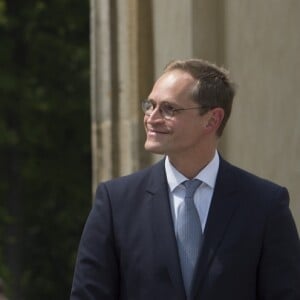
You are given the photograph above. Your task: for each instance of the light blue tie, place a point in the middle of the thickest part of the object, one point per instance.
(189, 233)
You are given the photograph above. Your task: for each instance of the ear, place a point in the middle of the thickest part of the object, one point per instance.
(215, 118)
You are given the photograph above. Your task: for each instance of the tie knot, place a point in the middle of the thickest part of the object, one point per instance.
(191, 186)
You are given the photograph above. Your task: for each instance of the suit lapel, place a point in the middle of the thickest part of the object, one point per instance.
(165, 248)
(224, 204)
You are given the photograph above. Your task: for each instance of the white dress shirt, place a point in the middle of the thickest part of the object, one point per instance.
(203, 194)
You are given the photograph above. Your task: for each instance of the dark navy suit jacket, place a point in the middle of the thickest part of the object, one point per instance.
(128, 249)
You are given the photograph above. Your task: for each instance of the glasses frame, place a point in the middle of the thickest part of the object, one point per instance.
(166, 114)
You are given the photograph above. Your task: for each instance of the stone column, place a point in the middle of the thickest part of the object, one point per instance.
(121, 75)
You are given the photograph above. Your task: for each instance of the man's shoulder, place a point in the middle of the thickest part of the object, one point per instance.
(243, 177)
(130, 189)
(257, 193)
(135, 178)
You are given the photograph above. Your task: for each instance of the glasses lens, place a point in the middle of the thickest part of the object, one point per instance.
(147, 106)
(167, 110)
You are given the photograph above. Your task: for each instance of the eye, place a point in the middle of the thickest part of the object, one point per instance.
(168, 107)
(148, 105)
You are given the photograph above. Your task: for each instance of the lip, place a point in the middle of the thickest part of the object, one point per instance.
(151, 131)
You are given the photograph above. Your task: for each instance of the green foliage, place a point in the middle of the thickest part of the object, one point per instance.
(45, 143)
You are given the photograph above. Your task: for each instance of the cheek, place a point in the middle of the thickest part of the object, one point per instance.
(189, 132)
(180, 134)
(145, 120)
(185, 128)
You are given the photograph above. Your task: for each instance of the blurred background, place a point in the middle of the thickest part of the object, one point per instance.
(72, 76)
(45, 160)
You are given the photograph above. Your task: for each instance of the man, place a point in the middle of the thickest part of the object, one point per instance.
(146, 239)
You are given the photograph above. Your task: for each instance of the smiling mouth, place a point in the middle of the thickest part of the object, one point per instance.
(155, 131)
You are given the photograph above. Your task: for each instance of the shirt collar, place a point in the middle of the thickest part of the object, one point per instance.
(207, 175)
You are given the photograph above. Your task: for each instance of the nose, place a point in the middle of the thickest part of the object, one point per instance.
(154, 116)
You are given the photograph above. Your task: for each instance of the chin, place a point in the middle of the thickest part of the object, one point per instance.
(154, 148)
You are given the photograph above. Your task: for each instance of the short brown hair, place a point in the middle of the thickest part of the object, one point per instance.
(213, 89)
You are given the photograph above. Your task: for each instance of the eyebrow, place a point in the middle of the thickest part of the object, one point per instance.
(166, 101)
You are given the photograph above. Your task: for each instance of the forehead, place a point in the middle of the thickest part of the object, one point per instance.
(173, 84)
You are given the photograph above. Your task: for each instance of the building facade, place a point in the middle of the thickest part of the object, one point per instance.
(258, 41)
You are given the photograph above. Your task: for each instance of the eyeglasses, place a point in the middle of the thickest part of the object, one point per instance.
(166, 109)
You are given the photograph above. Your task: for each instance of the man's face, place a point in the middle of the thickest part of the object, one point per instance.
(183, 133)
